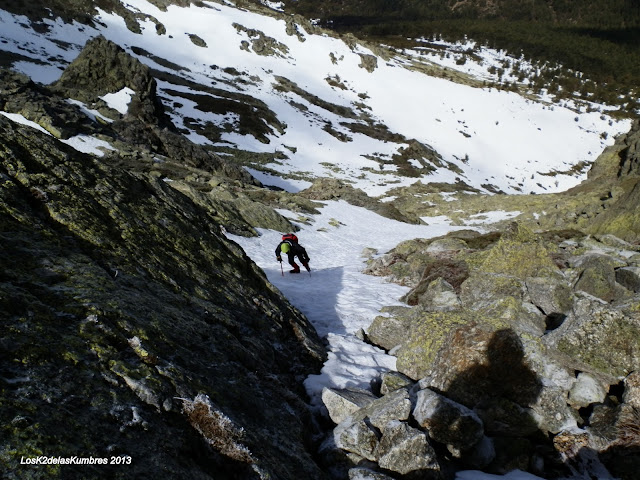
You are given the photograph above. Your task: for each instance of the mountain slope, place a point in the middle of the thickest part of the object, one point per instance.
(133, 328)
(304, 105)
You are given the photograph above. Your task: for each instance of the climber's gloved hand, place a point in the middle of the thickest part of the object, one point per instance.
(279, 258)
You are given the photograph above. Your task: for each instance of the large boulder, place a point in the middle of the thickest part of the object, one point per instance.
(604, 338)
(342, 402)
(447, 421)
(404, 449)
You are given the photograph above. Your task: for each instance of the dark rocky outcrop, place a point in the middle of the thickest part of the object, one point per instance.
(133, 327)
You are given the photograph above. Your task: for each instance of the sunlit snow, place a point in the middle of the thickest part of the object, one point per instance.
(493, 137)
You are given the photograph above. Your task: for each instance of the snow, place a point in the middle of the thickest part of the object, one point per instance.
(119, 100)
(82, 143)
(494, 137)
(88, 144)
(16, 117)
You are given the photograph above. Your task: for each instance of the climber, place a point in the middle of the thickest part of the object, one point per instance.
(293, 249)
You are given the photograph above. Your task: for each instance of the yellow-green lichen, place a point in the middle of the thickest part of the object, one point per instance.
(429, 334)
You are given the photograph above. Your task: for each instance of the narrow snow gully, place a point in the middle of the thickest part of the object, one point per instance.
(336, 296)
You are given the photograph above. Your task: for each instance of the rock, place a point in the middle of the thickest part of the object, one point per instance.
(392, 381)
(404, 449)
(606, 339)
(586, 390)
(521, 254)
(344, 402)
(551, 411)
(503, 417)
(452, 272)
(482, 290)
(478, 361)
(334, 189)
(123, 310)
(439, 296)
(574, 448)
(368, 252)
(631, 395)
(390, 331)
(104, 67)
(598, 277)
(446, 421)
(368, 62)
(629, 278)
(355, 435)
(367, 474)
(338, 462)
(551, 295)
(393, 406)
(446, 244)
(481, 455)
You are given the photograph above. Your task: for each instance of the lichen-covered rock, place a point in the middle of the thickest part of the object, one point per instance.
(393, 406)
(551, 295)
(392, 381)
(123, 304)
(452, 272)
(404, 449)
(355, 435)
(629, 278)
(598, 277)
(390, 331)
(631, 395)
(519, 253)
(428, 332)
(341, 403)
(607, 339)
(447, 421)
(552, 412)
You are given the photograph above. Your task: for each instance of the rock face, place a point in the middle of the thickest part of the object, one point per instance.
(132, 327)
(143, 139)
(528, 362)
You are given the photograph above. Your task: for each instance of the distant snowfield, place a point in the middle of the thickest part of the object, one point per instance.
(493, 137)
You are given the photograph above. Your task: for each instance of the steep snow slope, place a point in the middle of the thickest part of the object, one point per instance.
(341, 110)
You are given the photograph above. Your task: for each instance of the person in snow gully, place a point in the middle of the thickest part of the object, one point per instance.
(293, 249)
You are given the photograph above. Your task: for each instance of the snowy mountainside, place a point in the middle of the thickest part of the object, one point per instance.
(303, 104)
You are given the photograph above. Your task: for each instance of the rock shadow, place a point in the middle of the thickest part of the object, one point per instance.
(500, 372)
